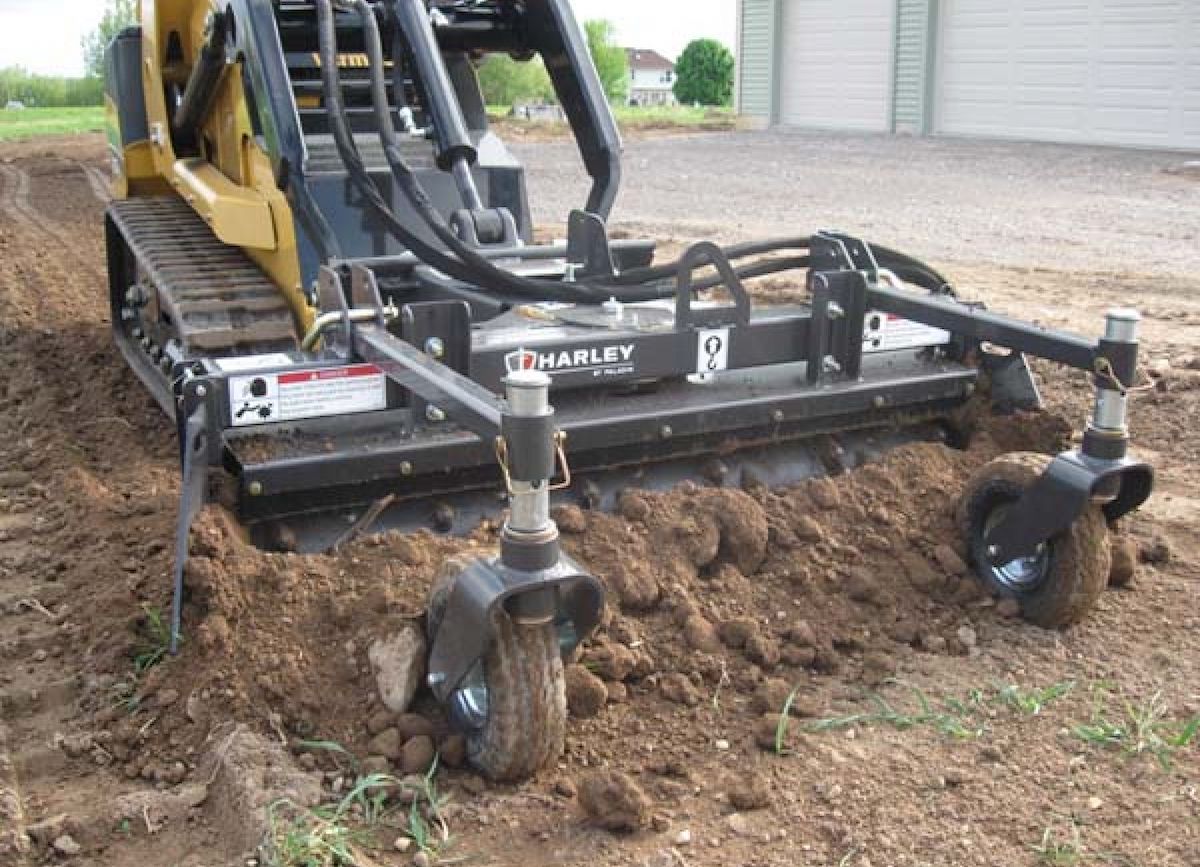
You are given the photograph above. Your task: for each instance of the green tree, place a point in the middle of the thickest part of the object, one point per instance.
(611, 62)
(505, 81)
(118, 15)
(704, 74)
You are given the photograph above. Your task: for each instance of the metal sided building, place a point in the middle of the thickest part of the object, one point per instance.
(1105, 72)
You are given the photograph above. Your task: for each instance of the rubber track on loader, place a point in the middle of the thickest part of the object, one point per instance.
(214, 294)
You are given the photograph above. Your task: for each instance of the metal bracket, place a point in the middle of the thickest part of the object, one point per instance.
(195, 446)
(486, 587)
(697, 256)
(836, 251)
(587, 245)
(1054, 502)
(1013, 387)
(839, 309)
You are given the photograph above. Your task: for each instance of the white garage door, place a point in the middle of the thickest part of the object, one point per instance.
(1122, 72)
(835, 62)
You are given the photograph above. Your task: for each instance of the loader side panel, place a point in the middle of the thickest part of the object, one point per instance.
(125, 112)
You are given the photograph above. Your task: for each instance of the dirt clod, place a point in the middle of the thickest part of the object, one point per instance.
(586, 693)
(750, 792)
(418, 755)
(1124, 562)
(701, 635)
(737, 631)
(613, 801)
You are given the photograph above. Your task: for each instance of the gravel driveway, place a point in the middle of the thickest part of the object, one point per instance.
(1011, 204)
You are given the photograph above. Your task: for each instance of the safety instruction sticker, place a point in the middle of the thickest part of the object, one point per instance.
(276, 397)
(712, 350)
(884, 332)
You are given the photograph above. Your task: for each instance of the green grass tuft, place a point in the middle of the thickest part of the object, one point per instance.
(1138, 728)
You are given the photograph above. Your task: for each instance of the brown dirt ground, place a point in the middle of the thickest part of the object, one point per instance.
(846, 591)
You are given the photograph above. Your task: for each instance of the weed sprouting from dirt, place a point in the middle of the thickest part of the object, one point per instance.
(1137, 728)
(952, 718)
(1056, 851)
(958, 718)
(1032, 702)
(340, 834)
(155, 640)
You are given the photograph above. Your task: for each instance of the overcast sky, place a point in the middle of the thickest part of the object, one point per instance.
(44, 35)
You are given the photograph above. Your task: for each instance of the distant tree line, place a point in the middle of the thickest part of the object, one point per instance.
(48, 91)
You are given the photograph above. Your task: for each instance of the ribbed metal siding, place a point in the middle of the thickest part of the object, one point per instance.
(911, 78)
(756, 59)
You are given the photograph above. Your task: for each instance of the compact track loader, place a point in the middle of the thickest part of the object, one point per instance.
(322, 267)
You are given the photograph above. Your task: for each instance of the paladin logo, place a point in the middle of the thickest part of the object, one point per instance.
(598, 360)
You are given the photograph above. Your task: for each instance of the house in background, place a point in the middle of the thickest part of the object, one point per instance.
(651, 78)
(1107, 72)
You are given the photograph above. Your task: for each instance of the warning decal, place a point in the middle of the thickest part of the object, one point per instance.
(277, 397)
(884, 332)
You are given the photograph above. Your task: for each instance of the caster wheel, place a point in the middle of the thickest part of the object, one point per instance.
(512, 706)
(1058, 584)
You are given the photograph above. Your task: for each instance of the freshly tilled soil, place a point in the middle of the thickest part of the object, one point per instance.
(740, 624)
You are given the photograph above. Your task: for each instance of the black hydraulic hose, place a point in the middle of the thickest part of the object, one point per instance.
(470, 267)
(737, 251)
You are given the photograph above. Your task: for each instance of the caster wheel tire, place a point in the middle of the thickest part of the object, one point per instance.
(512, 706)
(1061, 582)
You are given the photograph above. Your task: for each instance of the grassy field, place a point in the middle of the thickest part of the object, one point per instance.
(660, 117)
(34, 122)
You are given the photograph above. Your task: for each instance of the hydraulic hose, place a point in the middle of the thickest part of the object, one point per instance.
(466, 264)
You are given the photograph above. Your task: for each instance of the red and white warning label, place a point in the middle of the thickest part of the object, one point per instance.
(276, 397)
(884, 332)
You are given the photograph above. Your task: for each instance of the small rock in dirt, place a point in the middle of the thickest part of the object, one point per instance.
(402, 844)
(370, 765)
(380, 720)
(43, 833)
(861, 585)
(166, 697)
(422, 859)
(701, 635)
(66, 846)
(808, 530)
(824, 494)
(737, 631)
(564, 788)
(683, 838)
(613, 801)
(1008, 607)
(399, 665)
(1159, 368)
(678, 688)
(1124, 562)
(966, 636)
(933, 642)
(418, 755)
(1094, 803)
(570, 519)
(763, 650)
(948, 559)
(740, 825)
(1156, 551)
(586, 693)
(802, 634)
(412, 725)
(389, 743)
(452, 751)
(750, 792)
(618, 693)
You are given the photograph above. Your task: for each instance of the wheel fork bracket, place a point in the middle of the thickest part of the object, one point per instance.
(532, 581)
(1099, 472)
